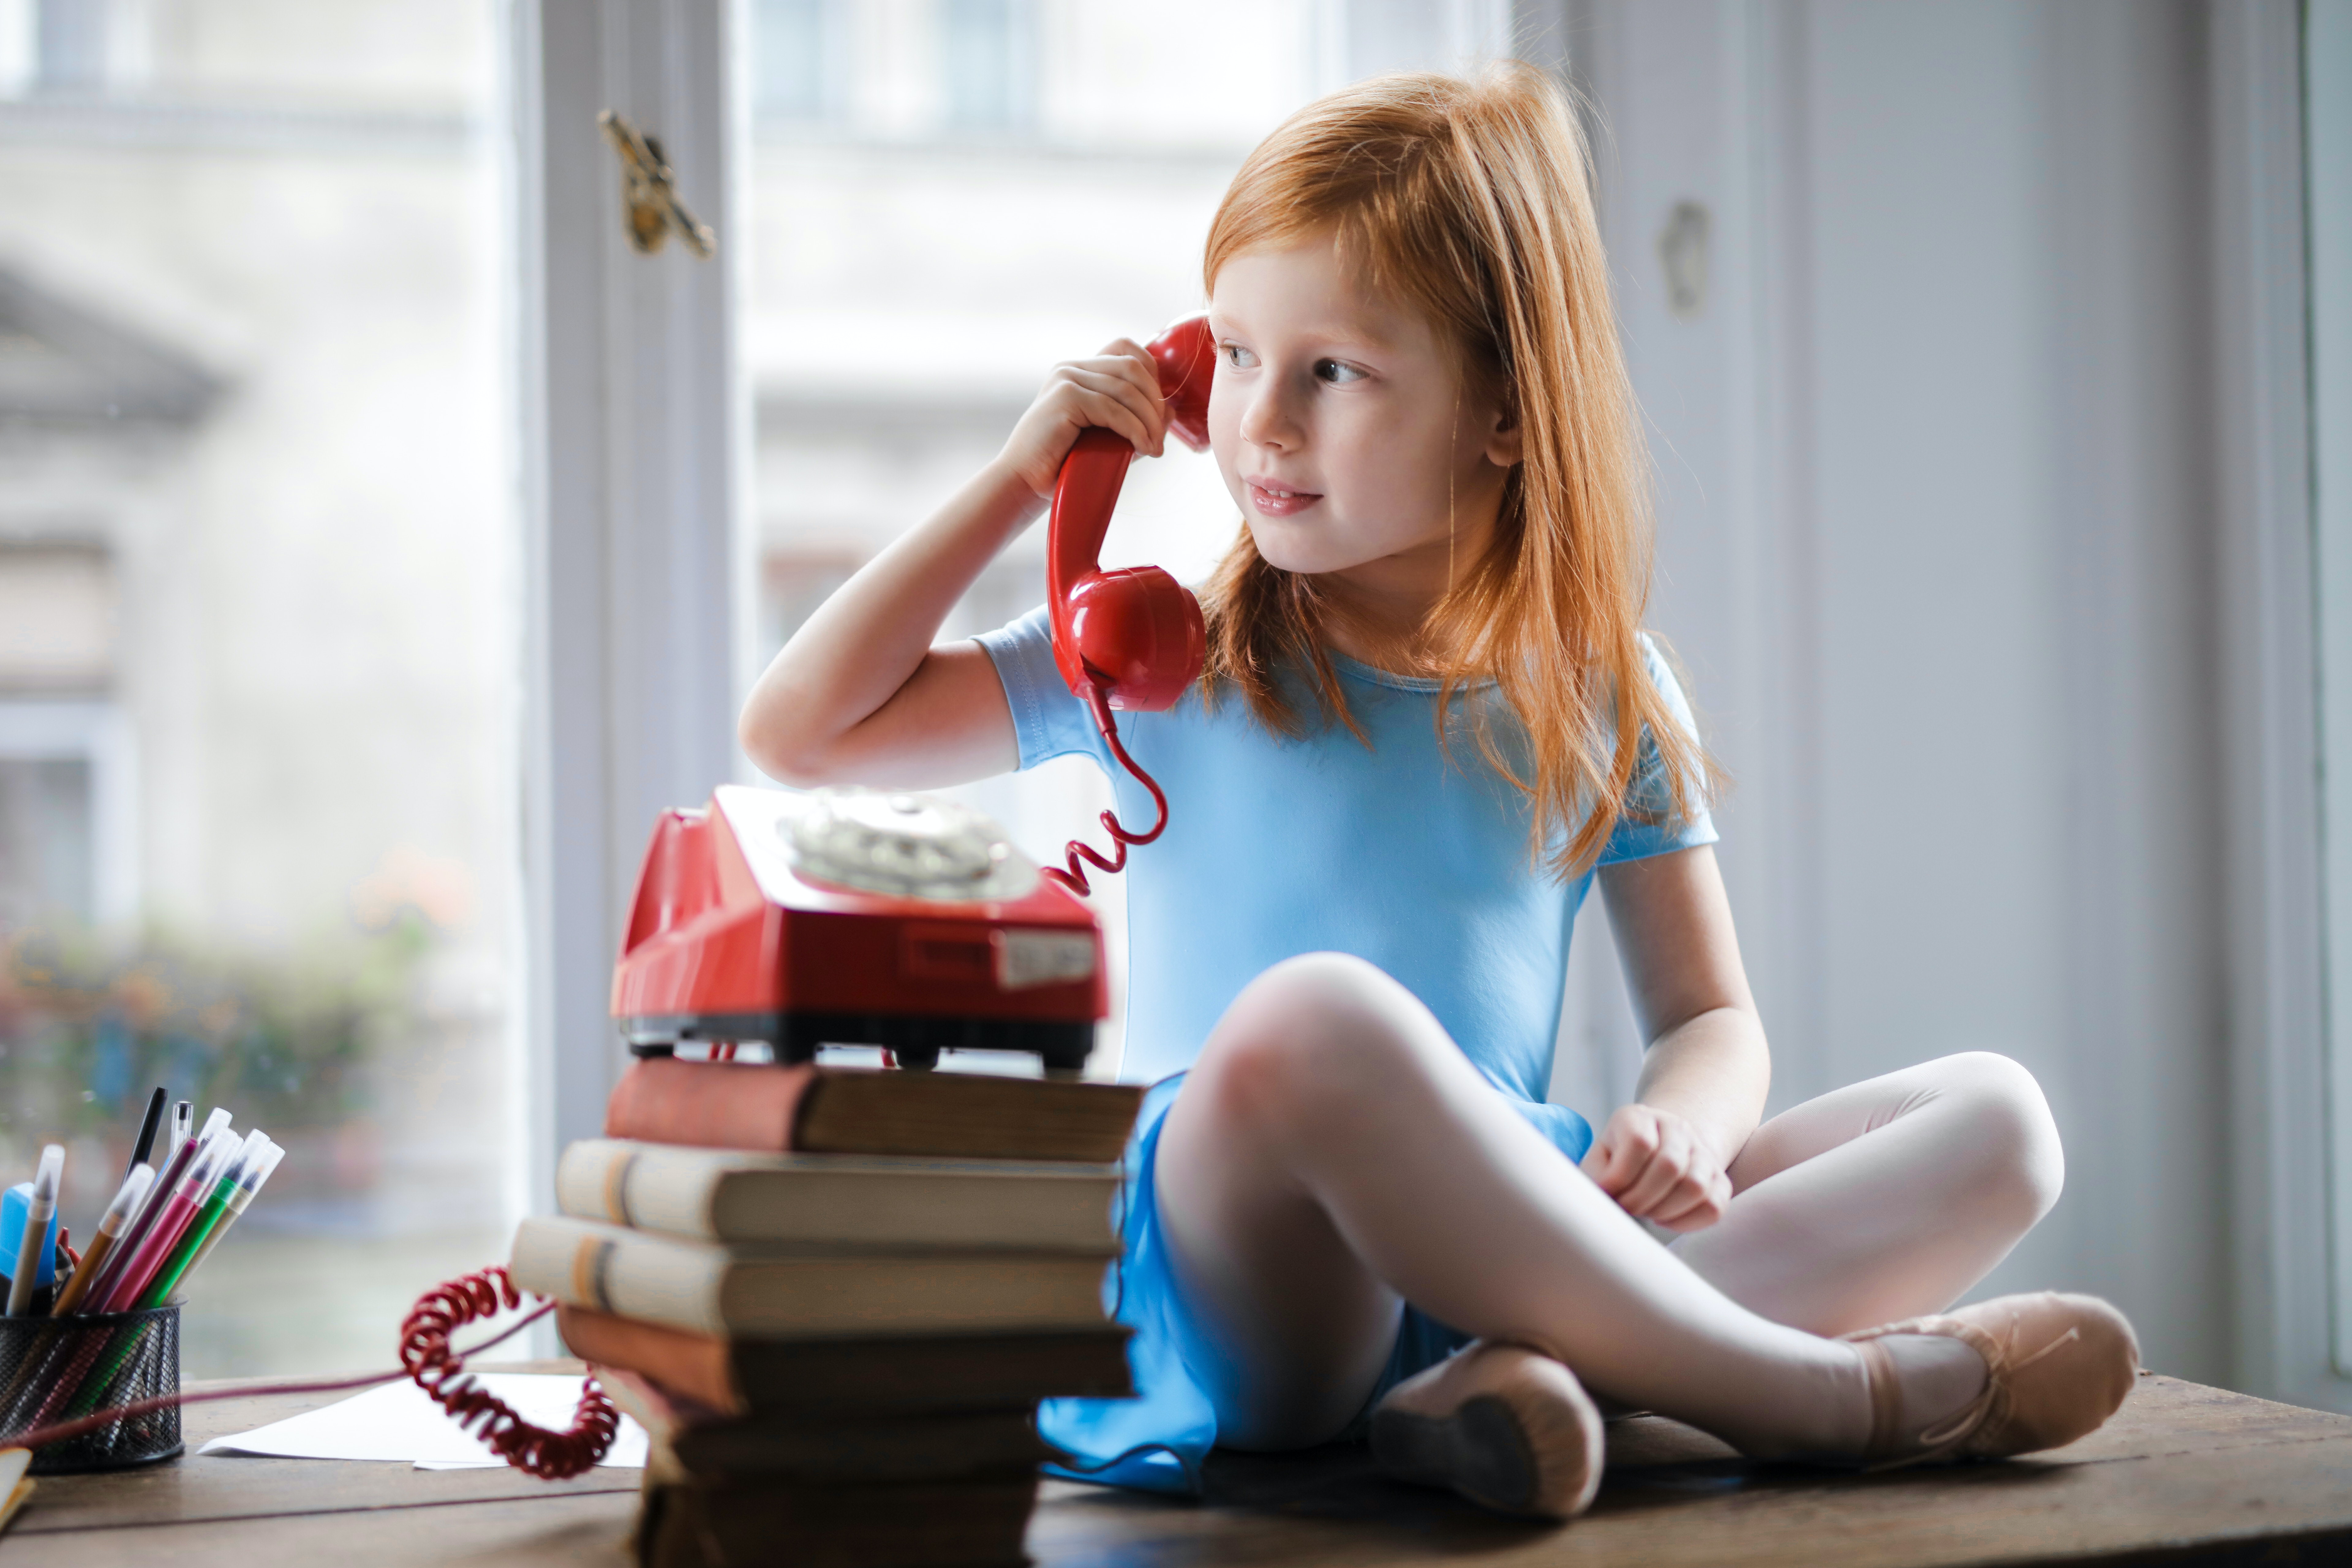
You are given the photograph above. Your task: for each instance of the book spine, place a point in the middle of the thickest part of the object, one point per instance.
(621, 1272)
(699, 1366)
(645, 1187)
(709, 1105)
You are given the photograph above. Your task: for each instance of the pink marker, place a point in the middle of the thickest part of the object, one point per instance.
(171, 1218)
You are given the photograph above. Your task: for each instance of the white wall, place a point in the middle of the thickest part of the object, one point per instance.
(1934, 504)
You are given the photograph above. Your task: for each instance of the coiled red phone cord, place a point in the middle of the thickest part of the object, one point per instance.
(424, 1357)
(440, 1372)
(1098, 700)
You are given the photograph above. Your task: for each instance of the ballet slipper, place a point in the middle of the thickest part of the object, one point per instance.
(1502, 1424)
(2057, 1367)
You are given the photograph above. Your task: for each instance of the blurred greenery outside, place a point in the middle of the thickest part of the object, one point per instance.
(90, 1026)
(328, 1045)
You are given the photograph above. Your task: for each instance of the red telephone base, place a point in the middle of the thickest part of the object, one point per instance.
(736, 937)
(916, 1041)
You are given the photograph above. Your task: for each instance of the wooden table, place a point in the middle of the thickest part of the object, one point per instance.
(2184, 1474)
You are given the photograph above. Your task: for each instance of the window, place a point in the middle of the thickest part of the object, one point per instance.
(257, 621)
(910, 287)
(791, 59)
(984, 56)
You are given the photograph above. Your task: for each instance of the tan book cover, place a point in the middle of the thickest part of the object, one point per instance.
(802, 1293)
(879, 1201)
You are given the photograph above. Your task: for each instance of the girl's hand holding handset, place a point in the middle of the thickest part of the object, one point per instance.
(1659, 1167)
(1118, 389)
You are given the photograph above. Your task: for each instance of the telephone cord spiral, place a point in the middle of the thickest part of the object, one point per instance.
(1098, 700)
(440, 1372)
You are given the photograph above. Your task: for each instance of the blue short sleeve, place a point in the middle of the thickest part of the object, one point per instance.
(1649, 825)
(1050, 721)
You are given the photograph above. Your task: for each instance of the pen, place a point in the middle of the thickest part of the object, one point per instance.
(118, 1215)
(146, 1144)
(102, 1288)
(38, 1215)
(172, 1216)
(215, 1223)
(183, 1121)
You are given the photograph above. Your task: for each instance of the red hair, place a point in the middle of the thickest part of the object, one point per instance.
(1470, 199)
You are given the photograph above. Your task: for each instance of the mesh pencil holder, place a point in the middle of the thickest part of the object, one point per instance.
(54, 1370)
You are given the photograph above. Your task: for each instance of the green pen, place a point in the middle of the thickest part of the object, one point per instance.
(246, 1167)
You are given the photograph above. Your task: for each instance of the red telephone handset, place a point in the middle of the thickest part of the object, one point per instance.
(1130, 638)
(1136, 630)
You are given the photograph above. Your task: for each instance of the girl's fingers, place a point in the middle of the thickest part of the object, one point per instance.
(1694, 1206)
(1143, 402)
(1133, 363)
(1666, 1169)
(1624, 1152)
(1086, 406)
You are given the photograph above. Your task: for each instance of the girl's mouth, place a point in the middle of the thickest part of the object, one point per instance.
(1278, 500)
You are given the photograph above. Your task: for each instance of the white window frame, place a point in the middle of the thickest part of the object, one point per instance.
(635, 557)
(2269, 715)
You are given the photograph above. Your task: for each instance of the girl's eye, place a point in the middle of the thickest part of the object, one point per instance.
(1336, 374)
(1237, 356)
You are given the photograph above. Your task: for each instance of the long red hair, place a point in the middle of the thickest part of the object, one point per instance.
(1471, 200)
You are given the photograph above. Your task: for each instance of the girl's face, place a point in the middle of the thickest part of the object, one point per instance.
(1342, 428)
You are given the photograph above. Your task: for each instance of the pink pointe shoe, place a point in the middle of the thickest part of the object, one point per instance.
(1504, 1426)
(2058, 1367)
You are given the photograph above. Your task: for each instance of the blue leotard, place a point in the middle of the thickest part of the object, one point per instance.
(1408, 854)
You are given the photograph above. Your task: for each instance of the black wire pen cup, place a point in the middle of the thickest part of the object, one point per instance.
(55, 1369)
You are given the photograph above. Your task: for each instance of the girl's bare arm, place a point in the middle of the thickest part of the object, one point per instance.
(1706, 1068)
(860, 694)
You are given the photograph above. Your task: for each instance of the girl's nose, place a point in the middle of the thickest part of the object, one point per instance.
(1267, 422)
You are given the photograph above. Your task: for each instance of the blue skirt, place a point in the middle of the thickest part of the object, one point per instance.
(1157, 1440)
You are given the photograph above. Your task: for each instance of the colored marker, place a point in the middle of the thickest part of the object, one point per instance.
(215, 1223)
(211, 1204)
(171, 1217)
(118, 1215)
(101, 1290)
(38, 1215)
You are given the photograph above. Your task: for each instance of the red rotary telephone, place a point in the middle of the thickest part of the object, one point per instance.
(1130, 638)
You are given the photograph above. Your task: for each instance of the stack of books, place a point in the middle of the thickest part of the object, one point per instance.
(834, 1299)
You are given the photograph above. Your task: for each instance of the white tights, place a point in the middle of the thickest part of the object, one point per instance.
(1332, 1154)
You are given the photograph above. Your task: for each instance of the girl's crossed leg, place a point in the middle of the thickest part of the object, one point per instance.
(1333, 1153)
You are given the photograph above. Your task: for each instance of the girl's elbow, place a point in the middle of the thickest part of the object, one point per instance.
(776, 751)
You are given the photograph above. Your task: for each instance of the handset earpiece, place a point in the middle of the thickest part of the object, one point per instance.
(1136, 633)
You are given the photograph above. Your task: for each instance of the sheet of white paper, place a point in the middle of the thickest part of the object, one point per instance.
(398, 1424)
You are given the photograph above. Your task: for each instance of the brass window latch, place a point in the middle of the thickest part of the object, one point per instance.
(649, 192)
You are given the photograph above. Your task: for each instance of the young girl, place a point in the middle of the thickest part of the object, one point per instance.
(1428, 723)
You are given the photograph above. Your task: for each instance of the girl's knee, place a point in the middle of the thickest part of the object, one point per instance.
(2012, 1127)
(1309, 1031)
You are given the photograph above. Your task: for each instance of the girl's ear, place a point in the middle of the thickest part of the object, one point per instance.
(1506, 444)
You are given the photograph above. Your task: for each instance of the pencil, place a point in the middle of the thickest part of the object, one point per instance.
(38, 1215)
(118, 1215)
